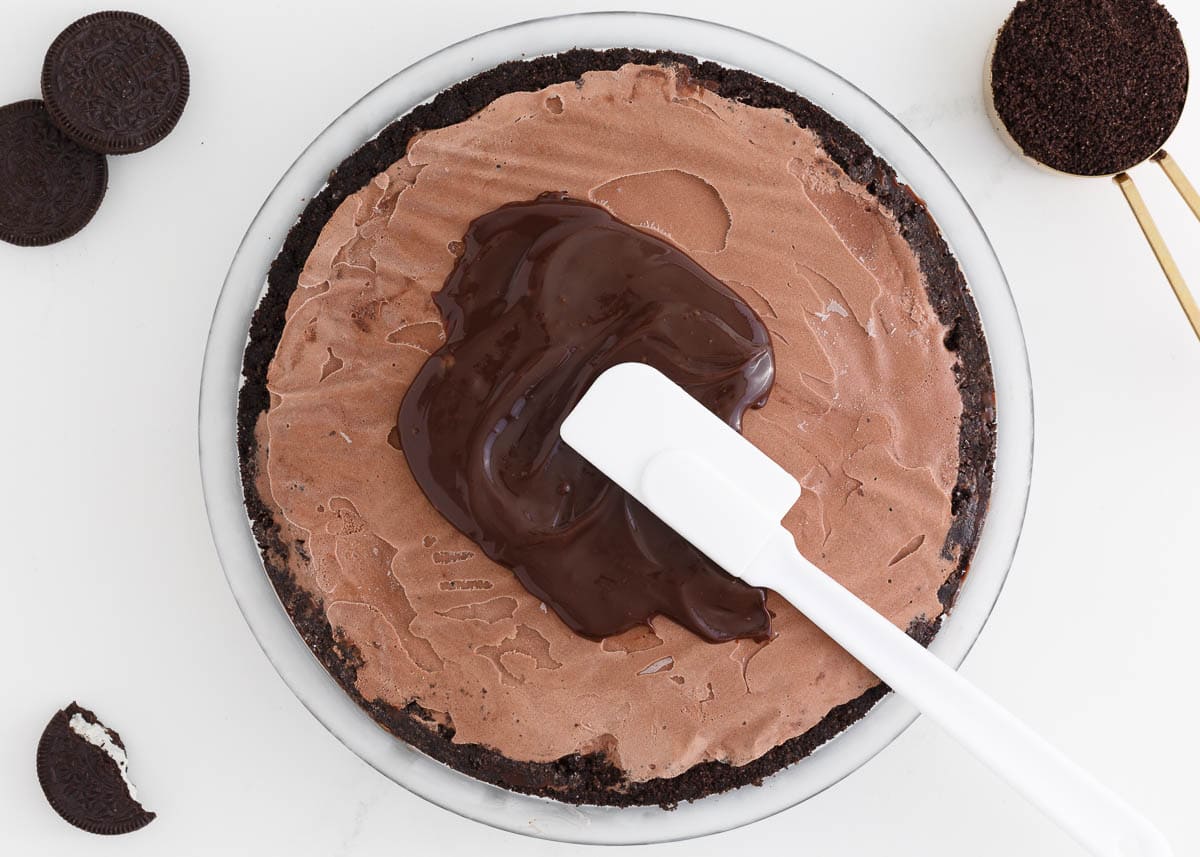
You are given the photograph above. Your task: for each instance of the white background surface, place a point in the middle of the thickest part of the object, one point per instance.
(111, 589)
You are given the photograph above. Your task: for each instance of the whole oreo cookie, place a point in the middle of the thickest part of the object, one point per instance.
(83, 770)
(115, 82)
(50, 186)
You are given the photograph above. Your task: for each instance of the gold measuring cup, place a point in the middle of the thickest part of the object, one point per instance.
(1132, 195)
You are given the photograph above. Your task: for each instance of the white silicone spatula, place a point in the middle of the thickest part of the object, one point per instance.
(727, 498)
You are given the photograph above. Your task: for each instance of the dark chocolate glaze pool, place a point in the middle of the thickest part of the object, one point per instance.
(546, 296)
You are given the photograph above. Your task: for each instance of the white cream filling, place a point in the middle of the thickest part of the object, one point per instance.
(97, 735)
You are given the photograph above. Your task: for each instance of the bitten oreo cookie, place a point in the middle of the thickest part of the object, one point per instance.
(84, 772)
(50, 186)
(115, 82)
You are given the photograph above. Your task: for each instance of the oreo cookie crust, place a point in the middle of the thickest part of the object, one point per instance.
(81, 766)
(115, 82)
(50, 186)
(592, 778)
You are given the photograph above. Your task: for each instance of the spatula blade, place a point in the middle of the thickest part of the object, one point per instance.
(633, 413)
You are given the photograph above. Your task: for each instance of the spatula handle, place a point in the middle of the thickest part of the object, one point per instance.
(1083, 807)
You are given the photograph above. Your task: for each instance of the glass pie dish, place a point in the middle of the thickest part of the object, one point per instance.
(244, 287)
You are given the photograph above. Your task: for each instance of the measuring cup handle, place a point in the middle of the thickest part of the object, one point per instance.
(1154, 237)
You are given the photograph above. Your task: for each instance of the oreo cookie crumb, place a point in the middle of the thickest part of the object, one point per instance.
(81, 766)
(593, 778)
(115, 82)
(1089, 87)
(50, 186)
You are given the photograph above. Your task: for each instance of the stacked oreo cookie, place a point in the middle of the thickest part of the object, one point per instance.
(112, 83)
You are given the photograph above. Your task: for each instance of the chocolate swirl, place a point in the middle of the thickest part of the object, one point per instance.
(546, 296)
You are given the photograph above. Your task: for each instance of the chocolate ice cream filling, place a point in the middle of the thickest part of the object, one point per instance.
(546, 296)
(865, 411)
